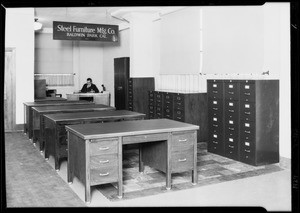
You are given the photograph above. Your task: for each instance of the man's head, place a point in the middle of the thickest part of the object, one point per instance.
(89, 81)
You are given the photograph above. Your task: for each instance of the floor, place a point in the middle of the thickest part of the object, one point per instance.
(270, 191)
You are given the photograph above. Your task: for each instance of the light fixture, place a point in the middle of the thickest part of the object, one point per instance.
(37, 25)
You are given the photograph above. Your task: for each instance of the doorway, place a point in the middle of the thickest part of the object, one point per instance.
(10, 90)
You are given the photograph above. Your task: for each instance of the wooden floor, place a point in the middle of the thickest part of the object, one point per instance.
(32, 182)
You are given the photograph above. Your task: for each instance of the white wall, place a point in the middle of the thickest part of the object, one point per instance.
(19, 34)
(109, 53)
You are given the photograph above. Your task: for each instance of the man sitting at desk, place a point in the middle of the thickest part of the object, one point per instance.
(89, 87)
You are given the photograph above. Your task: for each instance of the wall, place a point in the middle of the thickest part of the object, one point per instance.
(109, 53)
(19, 34)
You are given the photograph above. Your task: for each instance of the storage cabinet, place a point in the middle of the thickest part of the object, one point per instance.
(185, 107)
(244, 120)
(138, 94)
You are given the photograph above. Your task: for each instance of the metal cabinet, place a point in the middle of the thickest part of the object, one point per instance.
(243, 120)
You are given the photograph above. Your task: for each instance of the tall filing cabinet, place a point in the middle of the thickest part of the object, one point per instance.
(185, 107)
(249, 115)
(138, 94)
(121, 69)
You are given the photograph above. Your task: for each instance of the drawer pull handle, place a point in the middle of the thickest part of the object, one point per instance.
(215, 91)
(215, 125)
(215, 108)
(182, 140)
(231, 110)
(247, 93)
(104, 174)
(247, 150)
(247, 131)
(103, 161)
(178, 117)
(231, 146)
(182, 160)
(215, 142)
(104, 148)
(230, 92)
(247, 113)
(231, 128)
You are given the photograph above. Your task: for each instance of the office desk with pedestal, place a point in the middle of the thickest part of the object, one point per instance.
(95, 150)
(28, 111)
(98, 98)
(38, 112)
(56, 136)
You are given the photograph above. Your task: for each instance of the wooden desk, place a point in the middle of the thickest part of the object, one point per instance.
(50, 99)
(28, 111)
(95, 150)
(56, 135)
(98, 98)
(38, 119)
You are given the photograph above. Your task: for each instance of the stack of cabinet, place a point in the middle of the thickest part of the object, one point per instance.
(138, 94)
(243, 119)
(185, 107)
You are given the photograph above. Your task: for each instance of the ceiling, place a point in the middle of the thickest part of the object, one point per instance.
(96, 15)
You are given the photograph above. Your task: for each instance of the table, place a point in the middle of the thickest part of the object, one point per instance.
(28, 111)
(95, 150)
(50, 99)
(38, 119)
(98, 98)
(56, 135)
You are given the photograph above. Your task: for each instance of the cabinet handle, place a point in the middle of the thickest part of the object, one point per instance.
(104, 174)
(215, 108)
(231, 146)
(246, 150)
(103, 148)
(247, 113)
(182, 140)
(230, 92)
(215, 125)
(103, 161)
(182, 160)
(231, 128)
(247, 131)
(215, 91)
(215, 142)
(231, 110)
(247, 93)
(179, 118)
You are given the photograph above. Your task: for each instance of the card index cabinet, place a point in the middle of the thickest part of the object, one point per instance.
(185, 107)
(138, 94)
(244, 120)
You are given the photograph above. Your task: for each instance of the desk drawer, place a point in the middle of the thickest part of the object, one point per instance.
(182, 161)
(103, 146)
(100, 161)
(181, 140)
(104, 175)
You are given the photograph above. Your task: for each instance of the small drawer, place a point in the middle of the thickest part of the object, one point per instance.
(178, 97)
(247, 91)
(151, 107)
(100, 161)
(178, 106)
(231, 106)
(215, 104)
(158, 109)
(104, 175)
(168, 111)
(215, 146)
(215, 88)
(103, 146)
(182, 161)
(231, 90)
(183, 140)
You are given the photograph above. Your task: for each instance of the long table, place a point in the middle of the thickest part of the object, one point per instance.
(28, 111)
(50, 99)
(38, 119)
(95, 150)
(56, 135)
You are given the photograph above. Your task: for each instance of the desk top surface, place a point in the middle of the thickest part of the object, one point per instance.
(104, 114)
(128, 128)
(89, 94)
(70, 107)
(54, 103)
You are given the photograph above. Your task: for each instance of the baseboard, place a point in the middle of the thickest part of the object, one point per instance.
(285, 163)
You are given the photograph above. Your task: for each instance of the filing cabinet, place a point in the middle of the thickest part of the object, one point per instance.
(184, 107)
(243, 120)
(137, 100)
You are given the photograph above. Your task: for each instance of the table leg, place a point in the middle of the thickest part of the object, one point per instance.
(70, 163)
(41, 138)
(120, 167)
(56, 149)
(87, 172)
(194, 173)
(141, 163)
(168, 172)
